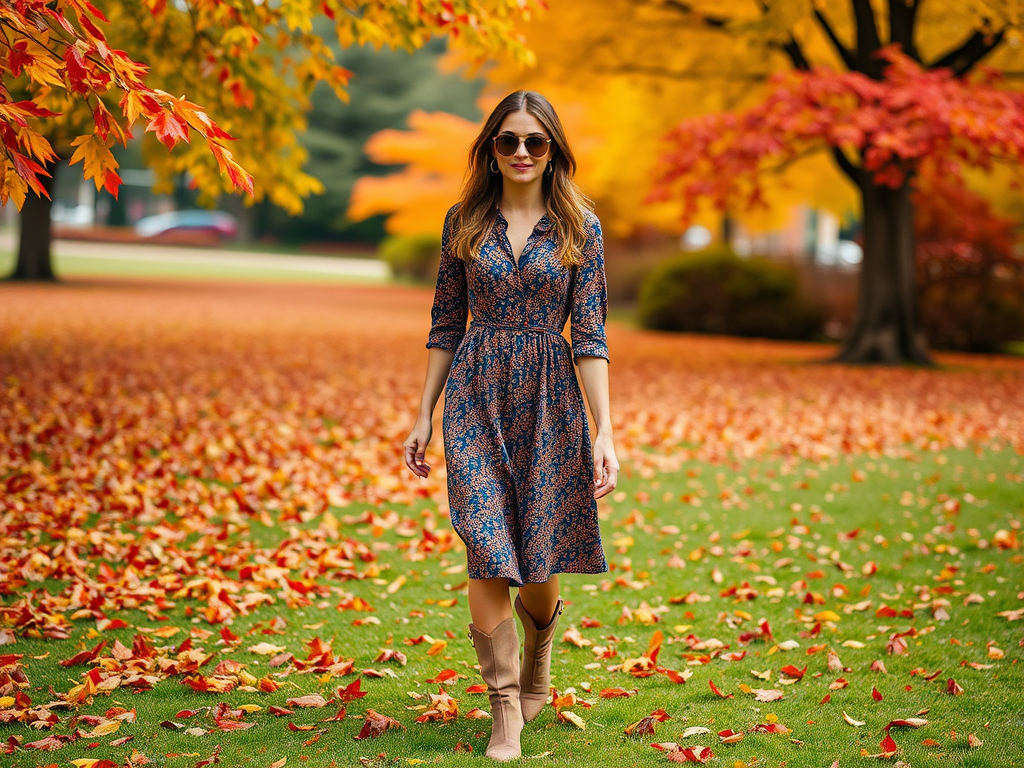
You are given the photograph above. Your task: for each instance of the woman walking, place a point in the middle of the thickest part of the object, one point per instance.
(523, 253)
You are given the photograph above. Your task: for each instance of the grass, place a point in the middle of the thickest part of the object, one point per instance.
(776, 523)
(73, 266)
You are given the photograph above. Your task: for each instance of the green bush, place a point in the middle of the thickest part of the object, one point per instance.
(414, 257)
(715, 291)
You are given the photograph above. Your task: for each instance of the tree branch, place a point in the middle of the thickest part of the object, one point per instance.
(717, 22)
(867, 39)
(902, 21)
(962, 59)
(847, 166)
(841, 49)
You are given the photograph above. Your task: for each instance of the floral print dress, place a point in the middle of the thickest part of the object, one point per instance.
(516, 441)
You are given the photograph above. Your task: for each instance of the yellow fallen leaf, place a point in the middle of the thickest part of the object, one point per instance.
(851, 721)
(250, 707)
(396, 585)
(827, 616)
(165, 632)
(104, 729)
(573, 718)
(266, 649)
(6, 701)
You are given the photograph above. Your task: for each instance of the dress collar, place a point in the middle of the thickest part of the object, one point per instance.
(543, 224)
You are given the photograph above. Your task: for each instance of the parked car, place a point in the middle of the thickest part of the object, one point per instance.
(174, 224)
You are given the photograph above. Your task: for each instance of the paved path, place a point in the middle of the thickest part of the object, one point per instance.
(169, 254)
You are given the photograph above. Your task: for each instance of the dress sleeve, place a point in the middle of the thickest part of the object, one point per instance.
(451, 303)
(590, 300)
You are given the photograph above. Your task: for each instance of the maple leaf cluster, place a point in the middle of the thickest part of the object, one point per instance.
(60, 68)
(912, 118)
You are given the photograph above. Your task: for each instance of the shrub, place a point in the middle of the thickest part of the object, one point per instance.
(969, 271)
(715, 291)
(415, 256)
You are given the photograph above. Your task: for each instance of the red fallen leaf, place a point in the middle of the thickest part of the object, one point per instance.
(84, 657)
(826, 700)
(953, 687)
(929, 743)
(816, 648)
(375, 724)
(229, 637)
(445, 675)
(909, 722)
(875, 694)
(49, 744)
(718, 692)
(839, 683)
(616, 693)
(341, 714)
(886, 612)
(588, 623)
(676, 677)
(476, 688)
(351, 692)
(790, 671)
(778, 728)
(279, 711)
(888, 744)
(694, 754)
(879, 666)
(815, 575)
(232, 725)
(119, 742)
(294, 727)
(735, 656)
(730, 736)
(896, 646)
(645, 725)
(187, 713)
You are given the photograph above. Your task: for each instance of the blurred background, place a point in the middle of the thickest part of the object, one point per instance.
(384, 165)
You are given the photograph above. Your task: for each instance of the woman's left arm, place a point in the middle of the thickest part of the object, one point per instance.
(594, 375)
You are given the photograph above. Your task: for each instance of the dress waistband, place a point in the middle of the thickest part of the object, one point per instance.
(516, 328)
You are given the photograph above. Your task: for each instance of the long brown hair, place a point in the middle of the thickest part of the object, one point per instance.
(481, 191)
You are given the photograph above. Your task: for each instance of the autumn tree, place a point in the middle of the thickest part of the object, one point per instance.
(77, 77)
(629, 71)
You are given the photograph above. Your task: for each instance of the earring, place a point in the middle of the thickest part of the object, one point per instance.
(550, 171)
(494, 166)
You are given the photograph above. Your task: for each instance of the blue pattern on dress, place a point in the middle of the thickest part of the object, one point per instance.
(516, 440)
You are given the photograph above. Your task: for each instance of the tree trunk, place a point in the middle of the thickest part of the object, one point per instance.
(886, 327)
(36, 235)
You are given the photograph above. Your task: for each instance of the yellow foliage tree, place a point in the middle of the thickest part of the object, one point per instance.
(78, 76)
(635, 69)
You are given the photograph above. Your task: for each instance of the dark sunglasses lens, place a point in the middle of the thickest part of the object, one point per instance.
(507, 145)
(536, 146)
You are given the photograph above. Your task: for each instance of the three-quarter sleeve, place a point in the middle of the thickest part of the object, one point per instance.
(590, 299)
(451, 303)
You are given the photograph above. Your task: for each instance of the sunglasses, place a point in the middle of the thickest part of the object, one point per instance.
(506, 144)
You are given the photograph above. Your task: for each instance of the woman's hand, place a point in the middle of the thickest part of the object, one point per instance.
(606, 466)
(416, 447)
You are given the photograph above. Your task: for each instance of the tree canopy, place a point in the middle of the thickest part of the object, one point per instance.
(78, 76)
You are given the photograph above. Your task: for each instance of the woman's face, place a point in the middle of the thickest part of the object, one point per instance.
(521, 167)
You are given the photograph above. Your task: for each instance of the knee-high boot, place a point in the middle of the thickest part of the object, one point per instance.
(535, 677)
(498, 654)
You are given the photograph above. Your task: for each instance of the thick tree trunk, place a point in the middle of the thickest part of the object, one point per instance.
(886, 327)
(34, 244)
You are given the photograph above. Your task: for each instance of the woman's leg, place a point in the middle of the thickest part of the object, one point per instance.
(538, 607)
(496, 641)
(489, 603)
(539, 600)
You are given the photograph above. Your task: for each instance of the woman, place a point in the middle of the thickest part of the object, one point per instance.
(524, 253)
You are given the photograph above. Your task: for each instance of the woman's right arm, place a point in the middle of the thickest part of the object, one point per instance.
(439, 362)
(447, 326)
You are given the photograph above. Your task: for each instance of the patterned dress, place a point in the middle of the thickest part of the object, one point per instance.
(516, 440)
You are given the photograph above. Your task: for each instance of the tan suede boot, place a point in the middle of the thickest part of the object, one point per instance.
(498, 654)
(535, 677)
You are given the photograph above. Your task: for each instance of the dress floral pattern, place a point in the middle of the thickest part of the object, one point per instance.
(516, 440)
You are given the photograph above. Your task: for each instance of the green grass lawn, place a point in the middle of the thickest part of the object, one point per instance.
(712, 551)
(73, 266)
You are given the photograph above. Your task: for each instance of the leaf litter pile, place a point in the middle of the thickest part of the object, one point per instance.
(210, 552)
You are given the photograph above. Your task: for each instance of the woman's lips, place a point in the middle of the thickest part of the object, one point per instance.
(521, 166)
